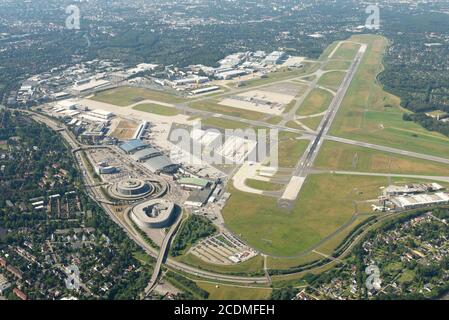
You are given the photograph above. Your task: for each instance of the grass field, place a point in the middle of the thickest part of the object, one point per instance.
(213, 106)
(274, 120)
(223, 123)
(125, 96)
(293, 125)
(308, 78)
(316, 102)
(283, 74)
(328, 247)
(328, 51)
(263, 185)
(286, 263)
(157, 109)
(290, 149)
(312, 123)
(363, 115)
(325, 204)
(143, 258)
(346, 51)
(340, 156)
(289, 106)
(229, 292)
(337, 65)
(252, 265)
(332, 80)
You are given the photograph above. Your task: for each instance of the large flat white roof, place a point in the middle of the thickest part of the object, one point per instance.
(102, 112)
(90, 85)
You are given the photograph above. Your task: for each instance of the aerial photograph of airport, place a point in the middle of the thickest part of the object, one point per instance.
(194, 151)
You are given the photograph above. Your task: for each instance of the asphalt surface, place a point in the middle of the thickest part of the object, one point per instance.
(303, 168)
(163, 252)
(312, 151)
(388, 149)
(307, 160)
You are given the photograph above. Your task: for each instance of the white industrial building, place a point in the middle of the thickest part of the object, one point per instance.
(140, 130)
(92, 85)
(198, 198)
(102, 114)
(205, 90)
(275, 57)
(420, 200)
(226, 75)
(66, 105)
(394, 190)
(190, 80)
(142, 67)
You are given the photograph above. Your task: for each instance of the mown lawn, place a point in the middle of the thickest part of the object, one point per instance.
(364, 116)
(325, 203)
(316, 102)
(157, 109)
(340, 156)
(125, 96)
(229, 292)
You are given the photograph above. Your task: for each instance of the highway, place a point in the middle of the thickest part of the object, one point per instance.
(95, 195)
(302, 169)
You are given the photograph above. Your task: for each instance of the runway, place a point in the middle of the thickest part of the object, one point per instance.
(307, 160)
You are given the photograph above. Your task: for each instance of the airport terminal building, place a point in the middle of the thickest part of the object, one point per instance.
(150, 157)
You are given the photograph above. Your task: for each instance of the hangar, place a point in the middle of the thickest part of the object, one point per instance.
(193, 183)
(160, 164)
(144, 154)
(420, 200)
(132, 146)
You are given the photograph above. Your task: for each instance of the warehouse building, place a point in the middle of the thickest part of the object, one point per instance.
(193, 183)
(145, 154)
(90, 86)
(415, 188)
(150, 157)
(226, 75)
(191, 80)
(204, 90)
(199, 198)
(420, 200)
(160, 164)
(275, 57)
(66, 105)
(102, 114)
(132, 146)
(140, 130)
